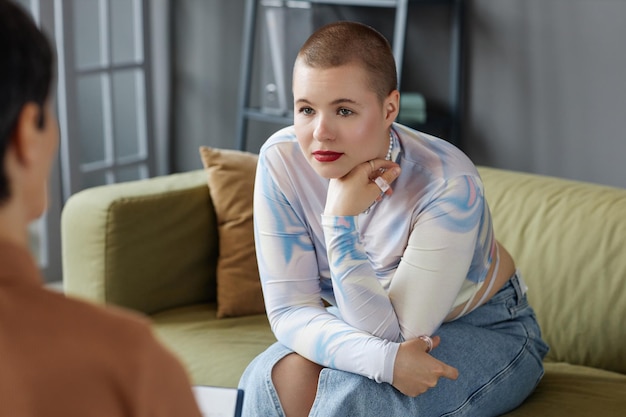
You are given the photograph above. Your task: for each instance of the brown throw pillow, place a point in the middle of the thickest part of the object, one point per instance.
(231, 183)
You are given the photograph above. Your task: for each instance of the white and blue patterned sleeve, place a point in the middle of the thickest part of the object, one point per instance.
(291, 286)
(425, 285)
(437, 260)
(361, 299)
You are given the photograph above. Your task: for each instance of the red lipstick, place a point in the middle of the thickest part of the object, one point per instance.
(326, 156)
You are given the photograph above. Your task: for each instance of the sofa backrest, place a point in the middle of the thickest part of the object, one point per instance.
(569, 241)
(147, 245)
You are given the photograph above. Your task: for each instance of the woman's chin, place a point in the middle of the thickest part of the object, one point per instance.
(329, 172)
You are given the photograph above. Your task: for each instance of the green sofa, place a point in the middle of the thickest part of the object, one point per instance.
(152, 246)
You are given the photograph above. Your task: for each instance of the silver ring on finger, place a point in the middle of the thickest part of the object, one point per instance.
(382, 184)
(429, 342)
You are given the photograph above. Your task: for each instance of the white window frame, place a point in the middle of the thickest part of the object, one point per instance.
(54, 17)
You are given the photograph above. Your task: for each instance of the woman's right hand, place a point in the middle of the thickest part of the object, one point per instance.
(415, 371)
(356, 191)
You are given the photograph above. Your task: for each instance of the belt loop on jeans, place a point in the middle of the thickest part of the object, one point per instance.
(518, 283)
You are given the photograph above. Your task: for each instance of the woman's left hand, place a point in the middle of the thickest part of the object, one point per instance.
(356, 191)
(415, 371)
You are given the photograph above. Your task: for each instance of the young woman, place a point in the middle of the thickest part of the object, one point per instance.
(383, 281)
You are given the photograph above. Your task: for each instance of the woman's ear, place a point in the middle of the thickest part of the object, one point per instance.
(391, 106)
(26, 134)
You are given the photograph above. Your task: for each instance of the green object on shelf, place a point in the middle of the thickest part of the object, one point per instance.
(412, 108)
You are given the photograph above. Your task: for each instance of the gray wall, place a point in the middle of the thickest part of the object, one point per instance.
(548, 87)
(546, 90)
(206, 55)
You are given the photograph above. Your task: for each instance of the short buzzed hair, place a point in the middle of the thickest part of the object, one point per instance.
(343, 43)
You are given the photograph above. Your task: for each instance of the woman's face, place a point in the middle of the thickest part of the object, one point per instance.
(339, 121)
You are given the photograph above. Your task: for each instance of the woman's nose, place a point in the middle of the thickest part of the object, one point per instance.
(323, 129)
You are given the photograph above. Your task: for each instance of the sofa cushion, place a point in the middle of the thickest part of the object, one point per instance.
(141, 244)
(230, 176)
(567, 238)
(215, 352)
(574, 390)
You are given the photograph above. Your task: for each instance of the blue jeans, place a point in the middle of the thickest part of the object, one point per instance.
(497, 349)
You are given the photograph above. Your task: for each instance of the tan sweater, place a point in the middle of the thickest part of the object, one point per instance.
(61, 357)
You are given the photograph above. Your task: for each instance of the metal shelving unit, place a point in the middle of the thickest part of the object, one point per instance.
(452, 120)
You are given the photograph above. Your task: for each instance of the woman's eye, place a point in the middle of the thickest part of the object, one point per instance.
(306, 111)
(344, 112)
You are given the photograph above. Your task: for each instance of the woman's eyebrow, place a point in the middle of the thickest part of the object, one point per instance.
(343, 100)
(334, 102)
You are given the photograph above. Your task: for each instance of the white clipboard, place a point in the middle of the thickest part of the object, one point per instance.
(219, 401)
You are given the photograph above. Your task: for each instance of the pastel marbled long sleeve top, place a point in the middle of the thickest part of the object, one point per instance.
(391, 274)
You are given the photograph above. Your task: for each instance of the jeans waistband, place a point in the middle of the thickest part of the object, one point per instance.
(518, 284)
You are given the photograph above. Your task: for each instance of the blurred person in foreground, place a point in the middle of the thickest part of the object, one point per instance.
(59, 356)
